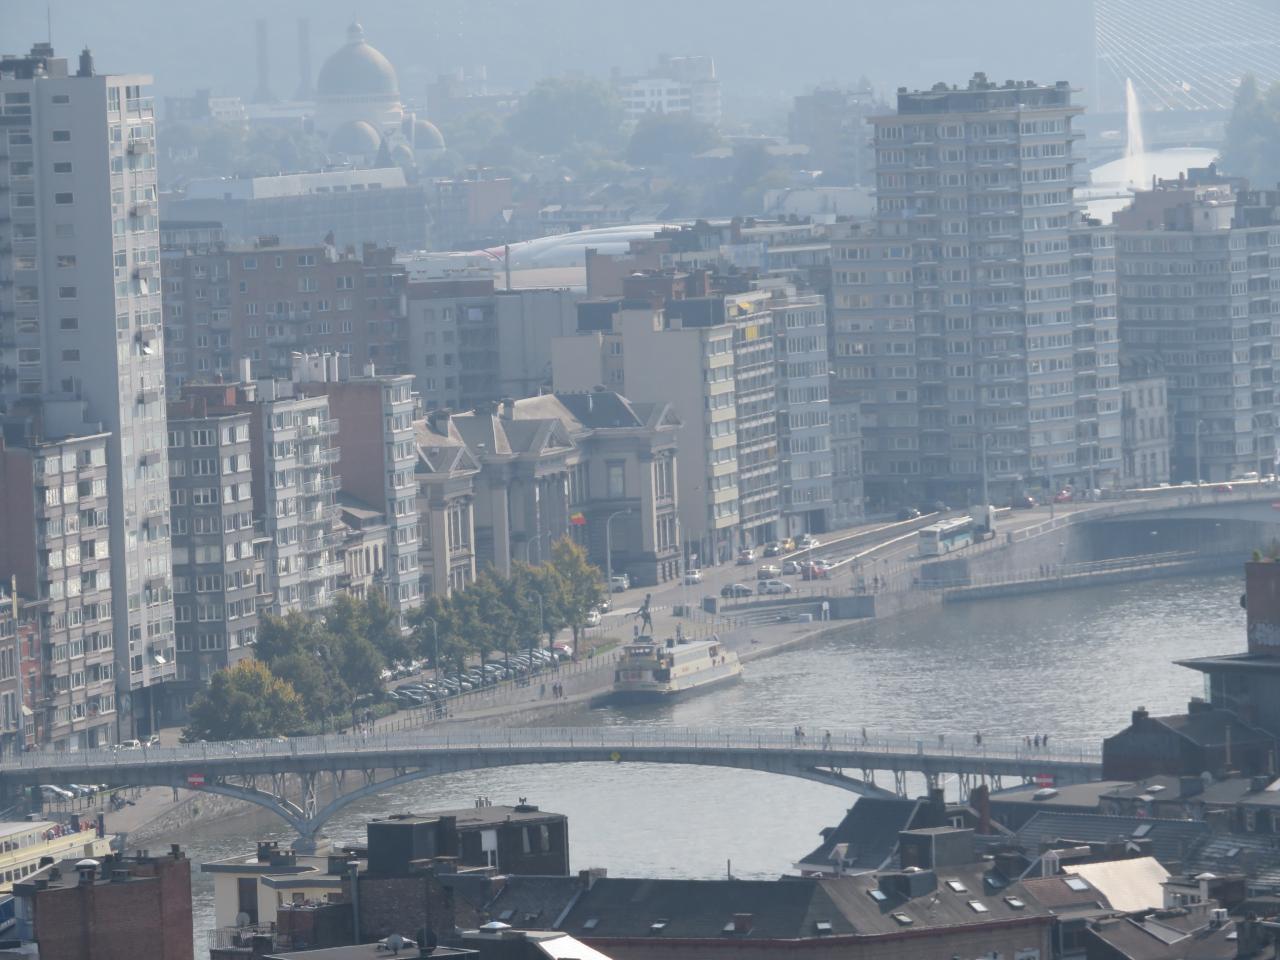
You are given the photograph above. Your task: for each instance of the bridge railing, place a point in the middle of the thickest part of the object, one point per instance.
(813, 740)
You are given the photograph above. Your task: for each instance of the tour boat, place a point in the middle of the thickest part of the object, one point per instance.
(655, 670)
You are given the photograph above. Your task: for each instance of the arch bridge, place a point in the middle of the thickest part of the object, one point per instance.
(306, 781)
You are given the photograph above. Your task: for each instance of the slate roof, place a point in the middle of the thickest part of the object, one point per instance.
(602, 408)
(784, 909)
(1171, 938)
(867, 837)
(1252, 854)
(536, 902)
(1172, 841)
(1054, 893)
(943, 907)
(1209, 728)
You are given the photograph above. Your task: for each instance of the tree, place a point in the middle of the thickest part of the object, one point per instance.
(317, 690)
(561, 112)
(581, 581)
(382, 627)
(1251, 148)
(279, 637)
(660, 136)
(242, 703)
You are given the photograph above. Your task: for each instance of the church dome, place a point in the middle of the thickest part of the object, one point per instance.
(356, 138)
(423, 134)
(357, 70)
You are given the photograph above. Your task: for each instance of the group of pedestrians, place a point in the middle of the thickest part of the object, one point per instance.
(1040, 740)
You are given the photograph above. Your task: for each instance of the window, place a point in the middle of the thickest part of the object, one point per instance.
(977, 906)
(1076, 883)
(67, 293)
(616, 479)
(63, 199)
(62, 166)
(62, 136)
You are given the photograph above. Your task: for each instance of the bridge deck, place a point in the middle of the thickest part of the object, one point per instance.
(485, 748)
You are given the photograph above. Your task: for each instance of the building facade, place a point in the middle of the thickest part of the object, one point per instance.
(1198, 265)
(681, 85)
(975, 317)
(80, 244)
(215, 574)
(55, 547)
(1146, 437)
(266, 301)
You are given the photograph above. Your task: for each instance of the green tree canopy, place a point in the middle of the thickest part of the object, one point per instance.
(658, 137)
(562, 111)
(244, 702)
(1252, 145)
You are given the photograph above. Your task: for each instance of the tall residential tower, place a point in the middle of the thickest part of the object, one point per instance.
(80, 322)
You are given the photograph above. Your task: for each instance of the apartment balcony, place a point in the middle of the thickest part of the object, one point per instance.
(318, 456)
(320, 486)
(326, 428)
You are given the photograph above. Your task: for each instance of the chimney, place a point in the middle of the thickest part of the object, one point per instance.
(980, 801)
(263, 92)
(1139, 716)
(304, 59)
(508, 405)
(246, 370)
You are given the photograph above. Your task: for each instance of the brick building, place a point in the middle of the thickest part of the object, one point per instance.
(117, 909)
(266, 301)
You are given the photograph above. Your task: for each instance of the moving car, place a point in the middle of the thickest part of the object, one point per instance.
(767, 572)
(746, 557)
(908, 513)
(1063, 496)
(693, 576)
(129, 745)
(790, 567)
(1023, 501)
(772, 549)
(735, 590)
(593, 617)
(619, 583)
(788, 544)
(808, 542)
(768, 587)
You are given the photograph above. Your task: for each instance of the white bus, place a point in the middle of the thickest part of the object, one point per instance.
(947, 535)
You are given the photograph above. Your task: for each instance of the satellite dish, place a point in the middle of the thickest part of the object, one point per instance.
(242, 919)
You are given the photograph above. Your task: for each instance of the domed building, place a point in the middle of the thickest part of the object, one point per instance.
(355, 138)
(422, 135)
(357, 84)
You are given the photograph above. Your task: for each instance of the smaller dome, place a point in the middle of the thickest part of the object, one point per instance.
(423, 134)
(401, 153)
(356, 138)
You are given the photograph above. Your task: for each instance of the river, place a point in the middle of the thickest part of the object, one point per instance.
(1072, 665)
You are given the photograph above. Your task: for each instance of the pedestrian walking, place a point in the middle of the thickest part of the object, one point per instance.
(864, 734)
(826, 740)
(1045, 741)
(1036, 741)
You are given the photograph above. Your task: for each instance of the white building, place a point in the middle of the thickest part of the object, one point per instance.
(80, 321)
(676, 85)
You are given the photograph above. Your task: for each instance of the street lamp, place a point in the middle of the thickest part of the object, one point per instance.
(608, 547)
(435, 635)
(528, 552)
(1197, 432)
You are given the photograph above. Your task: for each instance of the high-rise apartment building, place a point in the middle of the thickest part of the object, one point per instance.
(1199, 260)
(682, 85)
(211, 517)
(975, 317)
(80, 319)
(55, 545)
(377, 457)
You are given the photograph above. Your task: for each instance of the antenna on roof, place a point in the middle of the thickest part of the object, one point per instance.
(48, 20)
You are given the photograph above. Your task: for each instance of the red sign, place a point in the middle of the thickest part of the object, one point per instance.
(1044, 779)
(195, 779)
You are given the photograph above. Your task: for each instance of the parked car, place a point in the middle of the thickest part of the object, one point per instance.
(617, 584)
(908, 513)
(772, 549)
(605, 604)
(816, 571)
(693, 576)
(129, 745)
(790, 567)
(808, 542)
(153, 740)
(746, 557)
(767, 572)
(735, 590)
(1222, 488)
(768, 587)
(592, 618)
(1023, 501)
(1063, 496)
(788, 544)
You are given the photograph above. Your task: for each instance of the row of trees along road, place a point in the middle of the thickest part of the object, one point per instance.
(313, 668)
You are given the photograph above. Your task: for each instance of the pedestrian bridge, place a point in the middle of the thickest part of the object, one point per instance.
(306, 780)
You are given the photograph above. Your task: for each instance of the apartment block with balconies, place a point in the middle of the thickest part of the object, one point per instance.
(212, 518)
(974, 316)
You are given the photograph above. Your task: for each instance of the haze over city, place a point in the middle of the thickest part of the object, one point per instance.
(826, 454)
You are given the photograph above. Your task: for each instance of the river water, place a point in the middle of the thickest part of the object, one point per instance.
(1072, 665)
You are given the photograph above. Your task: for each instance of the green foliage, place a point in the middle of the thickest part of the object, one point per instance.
(499, 614)
(244, 702)
(1252, 145)
(661, 136)
(560, 112)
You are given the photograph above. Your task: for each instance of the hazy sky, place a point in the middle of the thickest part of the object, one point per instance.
(764, 51)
